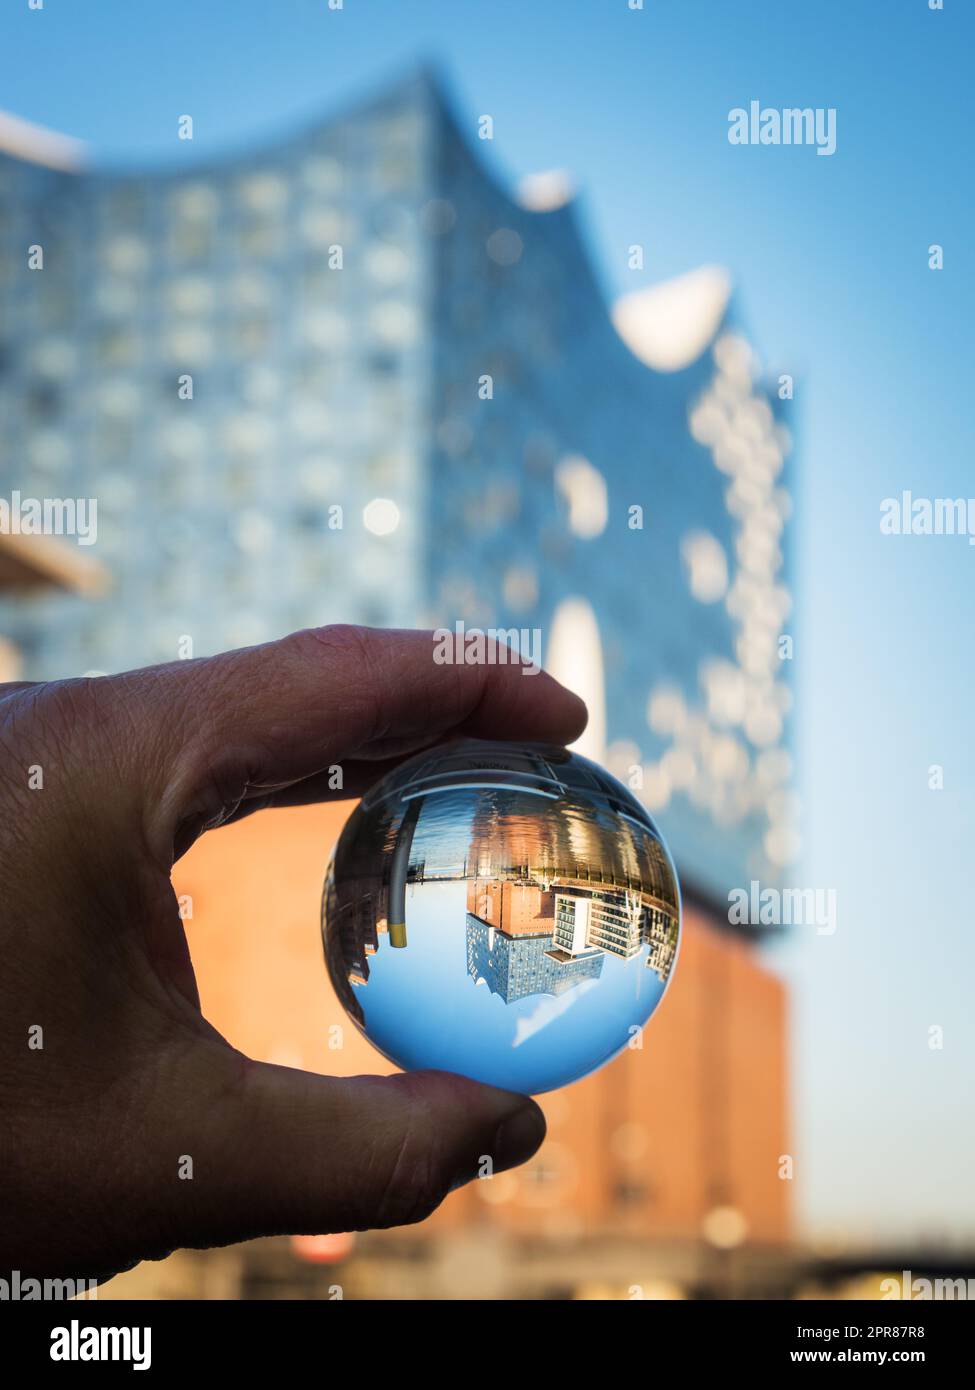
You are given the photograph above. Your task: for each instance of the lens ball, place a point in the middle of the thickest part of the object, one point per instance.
(506, 911)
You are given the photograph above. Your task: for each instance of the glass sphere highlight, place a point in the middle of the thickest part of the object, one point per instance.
(506, 911)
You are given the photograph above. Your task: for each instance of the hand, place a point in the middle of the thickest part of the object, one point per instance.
(103, 784)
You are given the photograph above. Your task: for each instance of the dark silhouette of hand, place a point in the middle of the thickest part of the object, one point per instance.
(108, 1071)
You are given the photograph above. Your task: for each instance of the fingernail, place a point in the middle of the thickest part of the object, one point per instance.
(518, 1136)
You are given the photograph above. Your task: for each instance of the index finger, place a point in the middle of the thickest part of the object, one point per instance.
(210, 732)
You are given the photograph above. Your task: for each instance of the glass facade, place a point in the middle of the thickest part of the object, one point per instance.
(518, 967)
(351, 379)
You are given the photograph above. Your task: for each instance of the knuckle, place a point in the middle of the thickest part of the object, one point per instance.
(47, 717)
(344, 640)
(356, 655)
(403, 1181)
(413, 1191)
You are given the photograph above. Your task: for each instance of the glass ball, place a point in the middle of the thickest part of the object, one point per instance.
(506, 911)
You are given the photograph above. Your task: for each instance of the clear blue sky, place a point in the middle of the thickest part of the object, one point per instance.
(830, 259)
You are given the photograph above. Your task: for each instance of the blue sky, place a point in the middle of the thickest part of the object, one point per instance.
(830, 260)
(423, 1009)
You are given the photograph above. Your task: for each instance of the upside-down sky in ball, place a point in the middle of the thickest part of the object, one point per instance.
(509, 912)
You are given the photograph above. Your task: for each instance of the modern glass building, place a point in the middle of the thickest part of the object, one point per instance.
(522, 966)
(352, 378)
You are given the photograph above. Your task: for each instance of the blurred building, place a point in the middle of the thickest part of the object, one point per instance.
(351, 378)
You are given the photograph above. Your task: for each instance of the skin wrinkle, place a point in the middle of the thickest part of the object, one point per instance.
(225, 804)
(228, 1167)
(163, 814)
(169, 955)
(342, 638)
(402, 1178)
(131, 928)
(358, 776)
(410, 1189)
(224, 786)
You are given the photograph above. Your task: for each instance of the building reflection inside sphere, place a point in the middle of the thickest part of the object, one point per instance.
(506, 911)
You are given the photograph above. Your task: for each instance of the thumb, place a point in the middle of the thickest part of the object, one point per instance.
(280, 1151)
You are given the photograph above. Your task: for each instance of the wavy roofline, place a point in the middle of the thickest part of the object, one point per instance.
(50, 149)
(569, 212)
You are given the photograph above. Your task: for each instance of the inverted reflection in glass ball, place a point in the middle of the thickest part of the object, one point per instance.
(506, 911)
